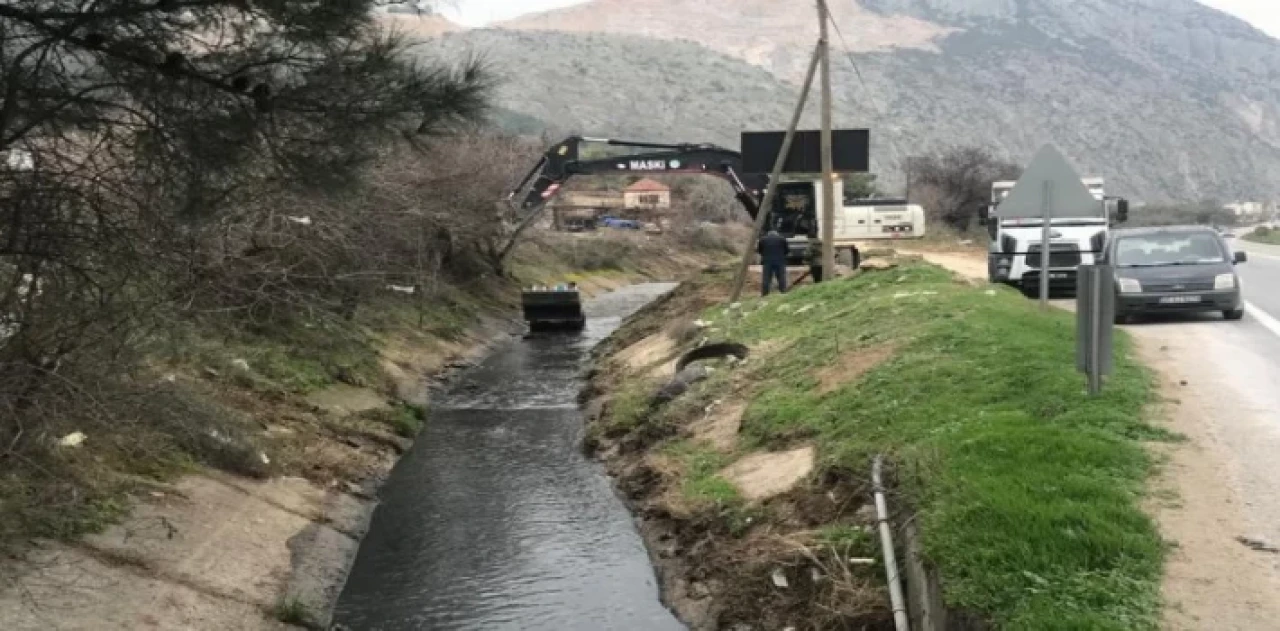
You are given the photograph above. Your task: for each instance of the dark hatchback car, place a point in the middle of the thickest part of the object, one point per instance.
(1177, 269)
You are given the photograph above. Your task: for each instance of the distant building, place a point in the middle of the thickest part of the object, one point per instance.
(648, 195)
(1247, 209)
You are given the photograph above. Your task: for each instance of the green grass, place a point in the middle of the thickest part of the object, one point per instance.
(298, 357)
(406, 419)
(702, 485)
(705, 490)
(849, 540)
(1027, 490)
(1263, 235)
(292, 611)
(630, 407)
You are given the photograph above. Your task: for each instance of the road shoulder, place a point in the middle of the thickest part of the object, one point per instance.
(1211, 581)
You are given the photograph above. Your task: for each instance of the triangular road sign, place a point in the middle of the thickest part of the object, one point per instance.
(1069, 197)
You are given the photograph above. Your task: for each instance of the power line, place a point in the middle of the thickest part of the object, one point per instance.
(849, 55)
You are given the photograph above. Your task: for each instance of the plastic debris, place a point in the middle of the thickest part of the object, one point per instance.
(74, 439)
(780, 579)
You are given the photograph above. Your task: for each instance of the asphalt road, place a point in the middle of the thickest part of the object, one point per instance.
(1247, 354)
(1238, 365)
(1222, 381)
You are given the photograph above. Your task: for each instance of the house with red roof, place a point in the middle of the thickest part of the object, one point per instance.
(647, 194)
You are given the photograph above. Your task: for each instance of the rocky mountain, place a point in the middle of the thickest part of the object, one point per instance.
(628, 87)
(417, 26)
(1168, 99)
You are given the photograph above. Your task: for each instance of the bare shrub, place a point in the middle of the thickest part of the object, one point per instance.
(955, 184)
(596, 254)
(424, 216)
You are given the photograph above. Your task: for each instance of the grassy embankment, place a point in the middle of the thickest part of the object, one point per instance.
(1026, 492)
(1265, 235)
(330, 400)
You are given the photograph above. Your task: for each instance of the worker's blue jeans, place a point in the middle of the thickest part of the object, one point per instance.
(772, 271)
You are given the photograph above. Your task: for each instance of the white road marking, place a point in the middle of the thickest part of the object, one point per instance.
(1263, 318)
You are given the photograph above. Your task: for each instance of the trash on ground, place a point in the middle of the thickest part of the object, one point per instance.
(74, 439)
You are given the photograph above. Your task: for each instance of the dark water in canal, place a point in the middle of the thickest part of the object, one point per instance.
(495, 519)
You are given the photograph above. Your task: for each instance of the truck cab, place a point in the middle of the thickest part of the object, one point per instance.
(1016, 245)
(797, 213)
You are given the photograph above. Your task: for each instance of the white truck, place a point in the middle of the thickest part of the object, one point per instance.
(1015, 245)
(798, 210)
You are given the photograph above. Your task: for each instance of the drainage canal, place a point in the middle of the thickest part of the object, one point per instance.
(495, 519)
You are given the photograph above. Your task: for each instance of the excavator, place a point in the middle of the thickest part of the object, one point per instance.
(543, 309)
(793, 213)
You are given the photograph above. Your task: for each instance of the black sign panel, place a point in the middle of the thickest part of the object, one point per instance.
(850, 151)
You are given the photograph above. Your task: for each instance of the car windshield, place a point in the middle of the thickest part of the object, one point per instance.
(1160, 249)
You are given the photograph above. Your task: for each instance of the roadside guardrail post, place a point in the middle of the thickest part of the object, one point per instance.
(1095, 323)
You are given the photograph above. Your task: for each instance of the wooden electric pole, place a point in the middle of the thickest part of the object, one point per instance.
(828, 175)
(774, 177)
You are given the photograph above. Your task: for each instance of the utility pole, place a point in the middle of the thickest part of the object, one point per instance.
(828, 182)
(778, 163)
(1046, 239)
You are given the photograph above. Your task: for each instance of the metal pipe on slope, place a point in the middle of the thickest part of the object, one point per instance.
(896, 599)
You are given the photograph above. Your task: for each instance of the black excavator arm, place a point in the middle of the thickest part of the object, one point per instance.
(562, 161)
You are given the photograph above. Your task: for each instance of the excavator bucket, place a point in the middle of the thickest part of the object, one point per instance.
(553, 310)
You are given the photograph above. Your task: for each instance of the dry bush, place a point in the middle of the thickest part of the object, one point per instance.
(712, 238)
(955, 184)
(423, 218)
(131, 428)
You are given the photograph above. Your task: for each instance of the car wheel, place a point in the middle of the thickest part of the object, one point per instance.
(1124, 319)
(1233, 314)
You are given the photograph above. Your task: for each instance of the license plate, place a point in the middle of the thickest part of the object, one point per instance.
(1179, 300)
(1059, 276)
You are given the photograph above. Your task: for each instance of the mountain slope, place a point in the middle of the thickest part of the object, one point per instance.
(1166, 98)
(767, 33)
(628, 87)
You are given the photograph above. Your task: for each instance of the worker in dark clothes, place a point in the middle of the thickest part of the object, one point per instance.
(773, 258)
(814, 255)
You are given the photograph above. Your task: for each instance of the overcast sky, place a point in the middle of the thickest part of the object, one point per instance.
(480, 12)
(1264, 14)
